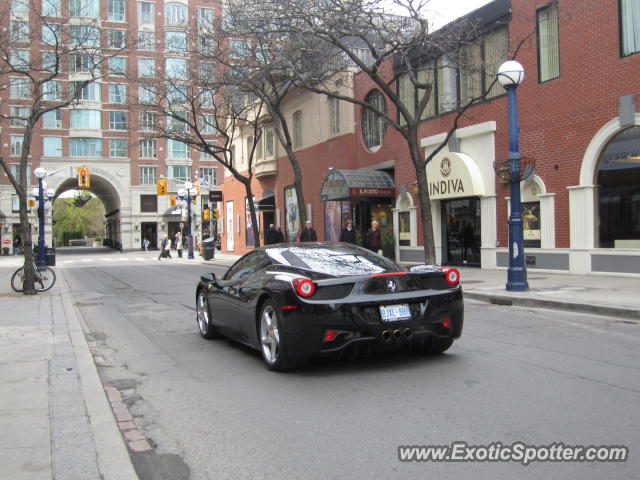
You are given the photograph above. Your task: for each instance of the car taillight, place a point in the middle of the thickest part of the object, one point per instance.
(451, 275)
(304, 287)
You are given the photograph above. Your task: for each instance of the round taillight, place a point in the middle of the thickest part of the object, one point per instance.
(451, 275)
(304, 287)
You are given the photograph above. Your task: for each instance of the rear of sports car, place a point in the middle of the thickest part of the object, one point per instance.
(421, 309)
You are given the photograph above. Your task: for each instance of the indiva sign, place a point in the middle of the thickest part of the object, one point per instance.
(446, 187)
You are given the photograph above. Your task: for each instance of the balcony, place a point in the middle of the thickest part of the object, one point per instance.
(264, 168)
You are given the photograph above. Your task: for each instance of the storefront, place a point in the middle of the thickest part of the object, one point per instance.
(363, 196)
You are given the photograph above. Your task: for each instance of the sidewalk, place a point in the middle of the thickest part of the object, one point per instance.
(55, 419)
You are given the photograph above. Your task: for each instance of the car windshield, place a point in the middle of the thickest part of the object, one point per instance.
(332, 260)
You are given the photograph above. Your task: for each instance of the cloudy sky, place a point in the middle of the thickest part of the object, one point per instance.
(447, 10)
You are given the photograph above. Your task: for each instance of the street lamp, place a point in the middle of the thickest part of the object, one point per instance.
(187, 194)
(510, 75)
(38, 192)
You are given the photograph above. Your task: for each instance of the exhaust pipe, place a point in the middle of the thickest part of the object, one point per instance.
(386, 336)
(407, 332)
(397, 334)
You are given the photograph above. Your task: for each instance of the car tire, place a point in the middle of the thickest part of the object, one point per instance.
(438, 346)
(203, 317)
(273, 344)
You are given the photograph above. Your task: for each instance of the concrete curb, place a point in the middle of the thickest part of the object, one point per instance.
(112, 456)
(509, 300)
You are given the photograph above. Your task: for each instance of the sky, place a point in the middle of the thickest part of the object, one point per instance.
(444, 11)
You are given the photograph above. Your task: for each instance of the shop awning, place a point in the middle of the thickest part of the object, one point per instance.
(173, 214)
(356, 185)
(267, 203)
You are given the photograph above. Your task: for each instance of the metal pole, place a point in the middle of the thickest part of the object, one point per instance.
(517, 271)
(41, 252)
(190, 240)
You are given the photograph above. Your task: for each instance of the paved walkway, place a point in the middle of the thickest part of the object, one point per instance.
(58, 421)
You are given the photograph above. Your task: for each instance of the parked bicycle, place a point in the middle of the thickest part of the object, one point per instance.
(44, 278)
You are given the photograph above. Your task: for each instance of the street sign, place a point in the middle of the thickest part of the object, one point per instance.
(215, 195)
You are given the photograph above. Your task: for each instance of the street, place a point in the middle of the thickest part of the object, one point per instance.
(213, 411)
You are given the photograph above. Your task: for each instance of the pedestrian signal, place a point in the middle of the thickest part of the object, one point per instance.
(31, 202)
(172, 201)
(83, 177)
(215, 213)
(162, 186)
(206, 214)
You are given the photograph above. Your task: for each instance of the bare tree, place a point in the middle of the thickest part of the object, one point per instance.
(400, 53)
(39, 48)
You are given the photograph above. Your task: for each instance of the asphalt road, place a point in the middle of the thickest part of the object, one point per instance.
(214, 412)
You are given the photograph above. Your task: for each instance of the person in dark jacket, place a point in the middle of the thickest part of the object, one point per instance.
(280, 236)
(308, 234)
(348, 234)
(271, 235)
(372, 239)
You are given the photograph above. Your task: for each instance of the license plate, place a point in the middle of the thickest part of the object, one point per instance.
(395, 313)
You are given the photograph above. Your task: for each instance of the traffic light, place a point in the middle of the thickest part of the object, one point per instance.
(215, 213)
(83, 177)
(162, 186)
(31, 203)
(206, 214)
(172, 201)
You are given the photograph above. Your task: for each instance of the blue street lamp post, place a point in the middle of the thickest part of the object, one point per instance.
(510, 75)
(187, 194)
(38, 192)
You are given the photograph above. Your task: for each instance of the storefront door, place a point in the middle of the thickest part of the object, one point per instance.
(461, 232)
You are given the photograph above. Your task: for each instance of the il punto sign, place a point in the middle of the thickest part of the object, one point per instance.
(453, 175)
(371, 192)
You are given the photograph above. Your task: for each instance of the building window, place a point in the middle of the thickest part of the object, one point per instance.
(148, 148)
(175, 41)
(85, 147)
(176, 94)
(84, 8)
(373, 128)
(86, 119)
(20, 88)
(496, 49)
(117, 38)
(18, 31)
(618, 180)
(177, 122)
(146, 12)
(16, 145)
(209, 175)
(207, 123)
(447, 86)
(239, 49)
(181, 173)
(52, 146)
(269, 149)
(334, 116)
(15, 171)
(146, 67)
(175, 14)
(117, 120)
(176, 68)
(147, 121)
(116, 10)
(50, 62)
(630, 24)
(146, 40)
(52, 90)
(117, 147)
(207, 98)
(19, 116)
(117, 65)
(51, 8)
(52, 119)
(84, 63)
(90, 91)
(548, 43)
(206, 71)
(117, 93)
(297, 129)
(148, 175)
(20, 6)
(84, 35)
(177, 149)
(51, 34)
(148, 203)
(19, 59)
(147, 94)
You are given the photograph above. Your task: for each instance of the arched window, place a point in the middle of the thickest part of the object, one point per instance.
(619, 191)
(373, 128)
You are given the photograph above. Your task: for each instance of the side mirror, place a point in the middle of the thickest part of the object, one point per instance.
(208, 278)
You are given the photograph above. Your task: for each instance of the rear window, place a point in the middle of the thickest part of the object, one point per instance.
(333, 260)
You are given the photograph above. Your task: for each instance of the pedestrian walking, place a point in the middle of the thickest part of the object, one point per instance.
(308, 234)
(145, 244)
(280, 236)
(271, 235)
(178, 244)
(372, 239)
(165, 248)
(348, 234)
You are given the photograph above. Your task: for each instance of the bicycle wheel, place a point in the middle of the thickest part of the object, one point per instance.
(45, 278)
(17, 280)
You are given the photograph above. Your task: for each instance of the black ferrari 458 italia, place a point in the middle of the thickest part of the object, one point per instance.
(296, 301)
